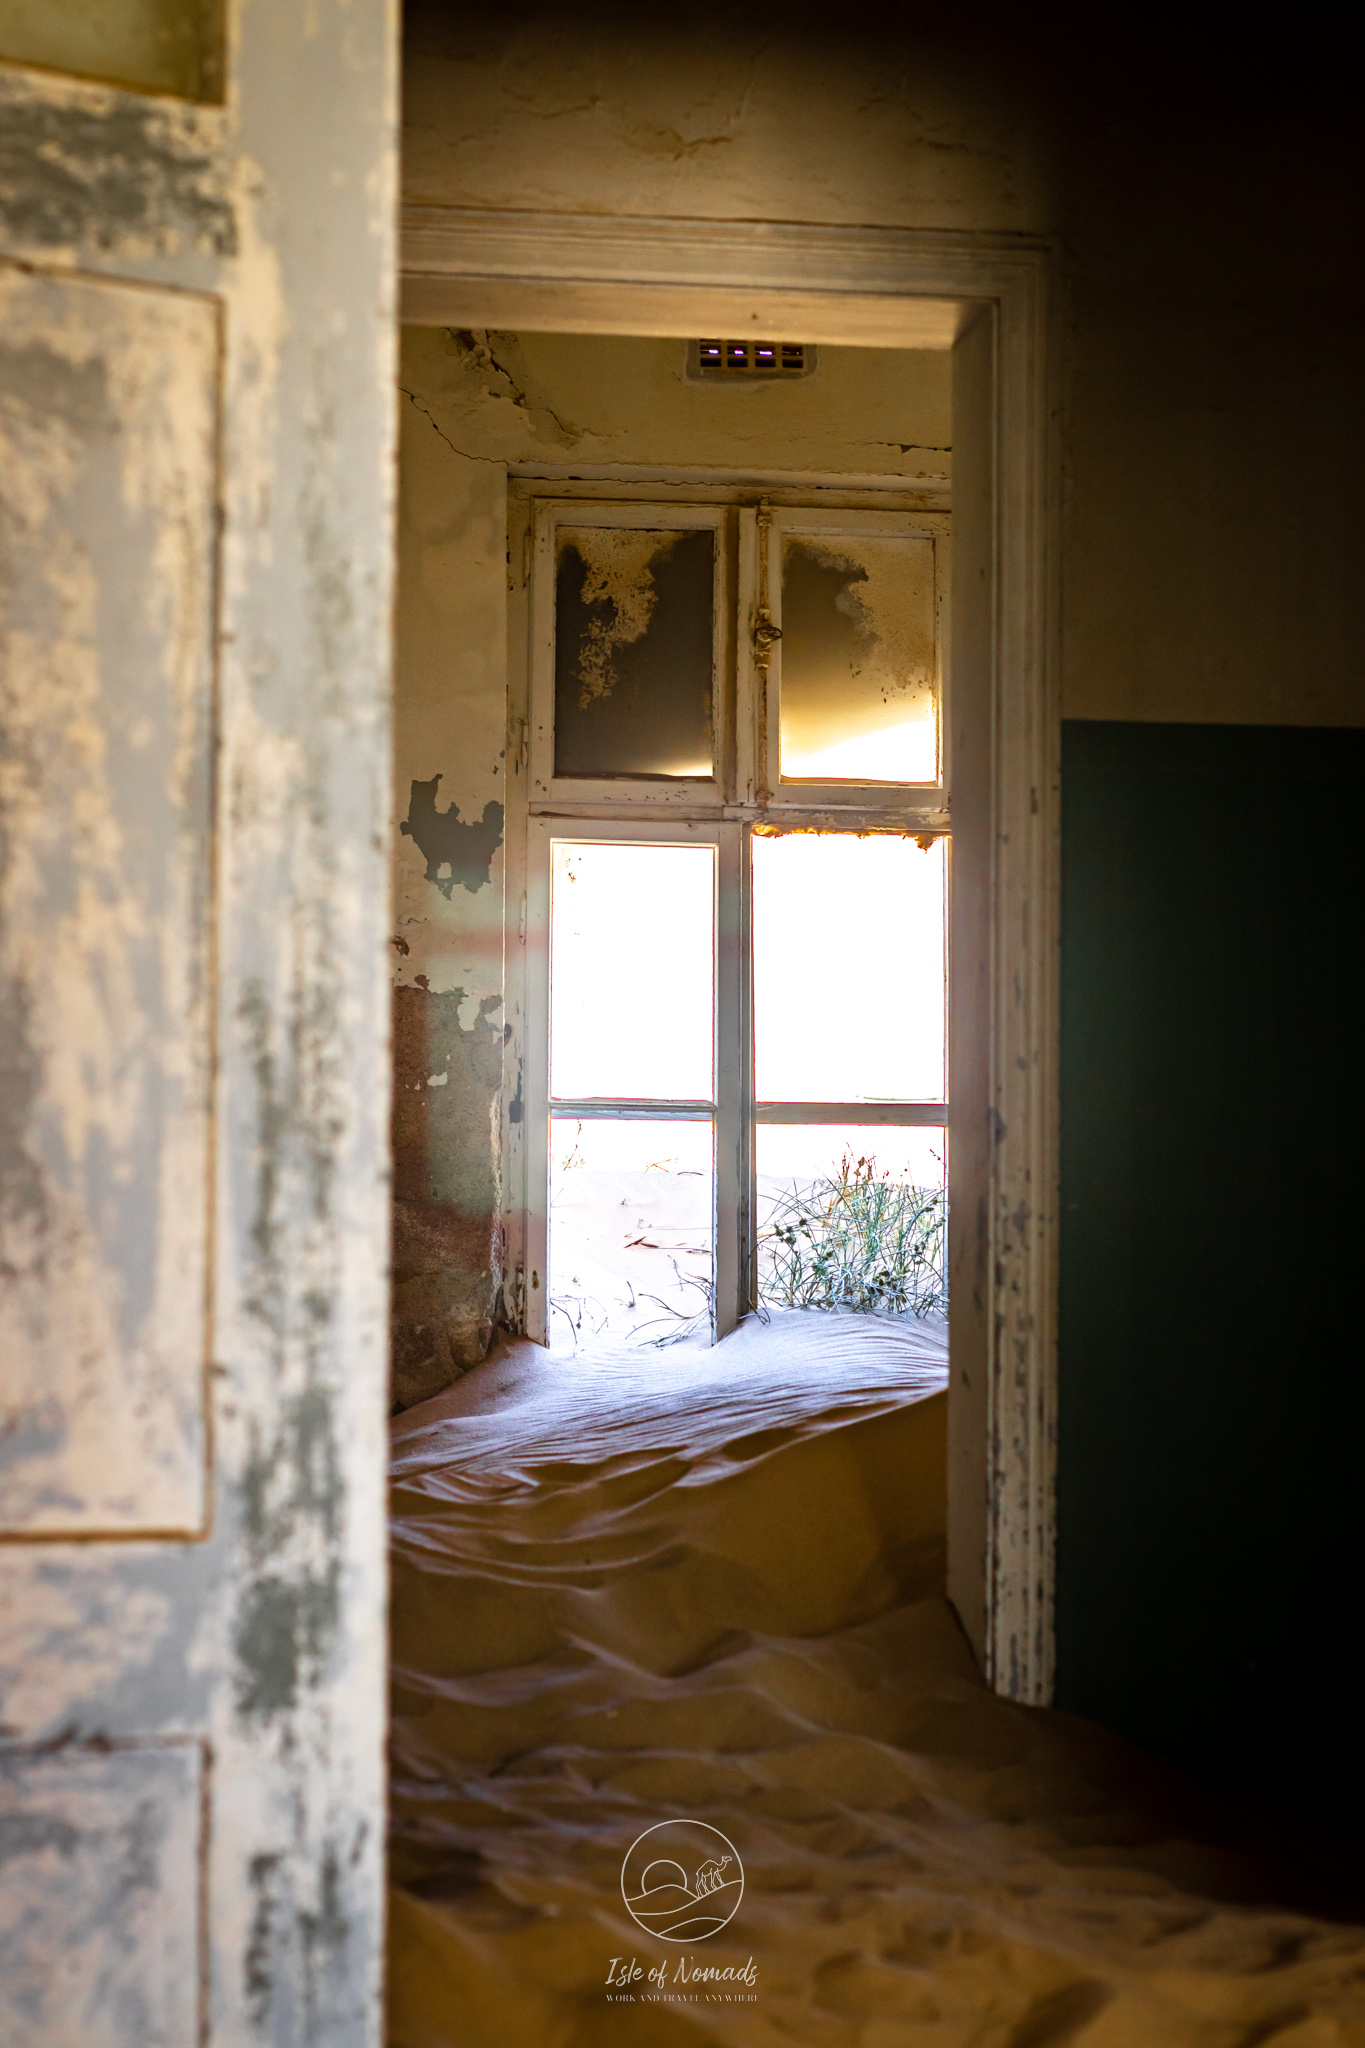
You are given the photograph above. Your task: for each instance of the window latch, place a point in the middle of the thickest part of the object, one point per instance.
(765, 634)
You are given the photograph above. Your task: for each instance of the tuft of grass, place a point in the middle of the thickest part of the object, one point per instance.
(858, 1241)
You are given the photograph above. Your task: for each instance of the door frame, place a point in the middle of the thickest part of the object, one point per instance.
(990, 298)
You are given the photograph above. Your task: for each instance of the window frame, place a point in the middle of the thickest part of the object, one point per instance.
(721, 812)
(729, 1080)
(763, 529)
(648, 792)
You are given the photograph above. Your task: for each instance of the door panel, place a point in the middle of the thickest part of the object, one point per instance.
(108, 431)
(196, 386)
(99, 1897)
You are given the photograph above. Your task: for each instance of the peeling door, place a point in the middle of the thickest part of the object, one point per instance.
(196, 332)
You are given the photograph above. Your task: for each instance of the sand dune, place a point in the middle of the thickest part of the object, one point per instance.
(710, 1585)
(672, 1912)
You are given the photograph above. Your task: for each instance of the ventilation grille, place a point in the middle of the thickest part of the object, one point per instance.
(729, 360)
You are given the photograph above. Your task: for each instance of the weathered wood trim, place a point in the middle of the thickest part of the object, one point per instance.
(1025, 847)
(258, 1640)
(901, 288)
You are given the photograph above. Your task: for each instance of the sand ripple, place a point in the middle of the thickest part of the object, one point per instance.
(710, 1585)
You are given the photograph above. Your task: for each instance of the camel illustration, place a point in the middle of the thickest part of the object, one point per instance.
(709, 1876)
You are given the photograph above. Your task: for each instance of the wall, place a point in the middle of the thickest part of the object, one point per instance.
(473, 405)
(1211, 414)
(1210, 426)
(1213, 982)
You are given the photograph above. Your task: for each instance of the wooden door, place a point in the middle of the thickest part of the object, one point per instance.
(196, 382)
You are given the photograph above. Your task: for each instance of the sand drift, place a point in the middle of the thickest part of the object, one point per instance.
(706, 1586)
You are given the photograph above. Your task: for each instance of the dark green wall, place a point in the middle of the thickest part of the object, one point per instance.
(1211, 1572)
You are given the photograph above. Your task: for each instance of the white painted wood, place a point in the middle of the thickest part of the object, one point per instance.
(100, 1897)
(466, 267)
(627, 1107)
(890, 287)
(734, 1144)
(516, 1195)
(534, 1286)
(972, 1324)
(919, 491)
(256, 1637)
(1025, 797)
(883, 1114)
(108, 483)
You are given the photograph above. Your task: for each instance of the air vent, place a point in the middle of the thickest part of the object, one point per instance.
(728, 361)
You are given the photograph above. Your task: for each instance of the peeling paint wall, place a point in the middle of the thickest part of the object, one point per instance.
(580, 400)
(812, 115)
(1210, 408)
(472, 405)
(449, 741)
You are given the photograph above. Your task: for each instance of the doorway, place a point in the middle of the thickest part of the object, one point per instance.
(988, 314)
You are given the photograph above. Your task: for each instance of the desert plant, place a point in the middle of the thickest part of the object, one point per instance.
(859, 1241)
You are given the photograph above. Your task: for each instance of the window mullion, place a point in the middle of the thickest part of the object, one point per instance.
(734, 1081)
(891, 1114)
(585, 1108)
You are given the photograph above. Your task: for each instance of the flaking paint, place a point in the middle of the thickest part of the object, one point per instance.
(257, 1644)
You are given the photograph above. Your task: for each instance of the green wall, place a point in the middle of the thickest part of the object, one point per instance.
(1212, 1411)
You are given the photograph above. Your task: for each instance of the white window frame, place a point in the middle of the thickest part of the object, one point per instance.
(687, 811)
(727, 1108)
(761, 533)
(674, 793)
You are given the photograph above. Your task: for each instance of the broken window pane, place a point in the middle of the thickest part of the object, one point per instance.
(851, 1218)
(631, 1229)
(631, 971)
(858, 666)
(849, 970)
(634, 637)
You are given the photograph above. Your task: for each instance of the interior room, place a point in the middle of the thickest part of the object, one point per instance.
(503, 433)
(681, 731)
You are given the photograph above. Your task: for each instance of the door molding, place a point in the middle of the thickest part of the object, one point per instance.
(904, 288)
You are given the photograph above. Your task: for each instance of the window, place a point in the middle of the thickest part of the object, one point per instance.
(733, 1021)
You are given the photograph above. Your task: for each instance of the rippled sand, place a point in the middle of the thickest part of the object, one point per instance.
(710, 1584)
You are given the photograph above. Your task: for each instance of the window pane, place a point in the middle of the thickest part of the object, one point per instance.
(631, 1207)
(848, 968)
(172, 46)
(851, 1218)
(633, 651)
(858, 699)
(631, 964)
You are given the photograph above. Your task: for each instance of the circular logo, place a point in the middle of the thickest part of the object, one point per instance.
(682, 1880)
